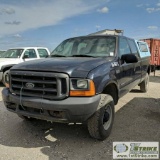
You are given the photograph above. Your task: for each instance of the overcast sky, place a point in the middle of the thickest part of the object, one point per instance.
(48, 22)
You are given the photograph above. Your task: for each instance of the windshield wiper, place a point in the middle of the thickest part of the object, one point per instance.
(57, 55)
(82, 55)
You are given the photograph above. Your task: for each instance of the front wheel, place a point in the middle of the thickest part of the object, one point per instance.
(100, 124)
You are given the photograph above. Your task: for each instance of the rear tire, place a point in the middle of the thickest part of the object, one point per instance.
(144, 85)
(100, 124)
(153, 68)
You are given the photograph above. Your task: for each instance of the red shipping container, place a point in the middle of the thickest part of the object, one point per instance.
(154, 45)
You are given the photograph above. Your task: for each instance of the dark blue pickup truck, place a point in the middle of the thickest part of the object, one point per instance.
(80, 82)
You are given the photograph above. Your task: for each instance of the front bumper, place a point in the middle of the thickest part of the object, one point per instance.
(72, 109)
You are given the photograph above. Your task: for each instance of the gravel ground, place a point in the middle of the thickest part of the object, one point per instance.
(137, 119)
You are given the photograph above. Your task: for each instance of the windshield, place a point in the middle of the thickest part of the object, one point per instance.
(86, 47)
(12, 53)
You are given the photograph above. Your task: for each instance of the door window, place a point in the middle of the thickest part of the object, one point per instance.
(133, 47)
(124, 47)
(30, 53)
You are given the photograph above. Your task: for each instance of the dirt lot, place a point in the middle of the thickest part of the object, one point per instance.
(137, 119)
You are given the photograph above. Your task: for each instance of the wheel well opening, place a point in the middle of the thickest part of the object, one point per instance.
(112, 90)
(5, 69)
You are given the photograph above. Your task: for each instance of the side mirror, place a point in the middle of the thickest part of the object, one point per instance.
(129, 58)
(25, 56)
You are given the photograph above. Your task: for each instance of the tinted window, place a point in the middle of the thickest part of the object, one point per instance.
(142, 47)
(42, 53)
(123, 47)
(91, 46)
(12, 53)
(133, 46)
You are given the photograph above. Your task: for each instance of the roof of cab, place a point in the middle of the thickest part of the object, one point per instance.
(28, 48)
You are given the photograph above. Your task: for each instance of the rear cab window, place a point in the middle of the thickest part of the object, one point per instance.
(43, 53)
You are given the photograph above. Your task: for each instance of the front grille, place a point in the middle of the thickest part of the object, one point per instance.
(45, 85)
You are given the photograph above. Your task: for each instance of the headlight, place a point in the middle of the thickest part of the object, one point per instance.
(82, 84)
(78, 84)
(82, 87)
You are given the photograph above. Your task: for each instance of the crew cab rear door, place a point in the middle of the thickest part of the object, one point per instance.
(43, 52)
(30, 54)
(136, 66)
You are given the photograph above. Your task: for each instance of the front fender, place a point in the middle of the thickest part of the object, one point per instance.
(7, 66)
(103, 76)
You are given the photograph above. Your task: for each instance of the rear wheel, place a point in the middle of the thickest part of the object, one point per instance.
(144, 85)
(100, 124)
(153, 68)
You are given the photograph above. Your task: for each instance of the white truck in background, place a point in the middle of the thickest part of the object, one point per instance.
(18, 55)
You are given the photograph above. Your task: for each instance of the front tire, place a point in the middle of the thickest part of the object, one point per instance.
(100, 124)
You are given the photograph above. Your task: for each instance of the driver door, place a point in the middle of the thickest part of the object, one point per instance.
(30, 54)
(126, 69)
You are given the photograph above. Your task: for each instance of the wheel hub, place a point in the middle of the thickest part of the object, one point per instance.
(107, 118)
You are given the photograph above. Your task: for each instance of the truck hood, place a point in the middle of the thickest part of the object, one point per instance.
(9, 61)
(74, 67)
